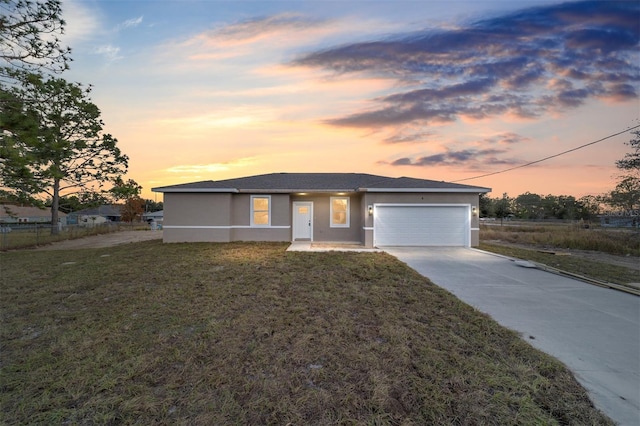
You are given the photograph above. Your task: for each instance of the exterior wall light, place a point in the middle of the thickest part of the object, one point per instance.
(370, 210)
(474, 210)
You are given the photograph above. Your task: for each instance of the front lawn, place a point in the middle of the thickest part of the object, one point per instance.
(152, 333)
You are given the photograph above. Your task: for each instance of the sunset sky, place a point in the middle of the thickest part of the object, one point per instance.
(442, 90)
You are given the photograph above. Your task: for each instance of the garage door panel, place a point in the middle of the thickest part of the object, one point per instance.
(421, 225)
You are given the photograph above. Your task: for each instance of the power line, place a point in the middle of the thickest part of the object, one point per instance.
(547, 158)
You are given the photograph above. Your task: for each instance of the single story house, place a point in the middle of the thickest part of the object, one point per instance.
(96, 215)
(620, 221)
(328, 207)
(153, 216)
(12, 214)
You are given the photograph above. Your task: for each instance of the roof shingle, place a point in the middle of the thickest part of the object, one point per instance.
(318, 182)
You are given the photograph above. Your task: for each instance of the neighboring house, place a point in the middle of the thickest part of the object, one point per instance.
(153, 216)
(620, 221)
(96, 215)
(333, 207)
(10, 214)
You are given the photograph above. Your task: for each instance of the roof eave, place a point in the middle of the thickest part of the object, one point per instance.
(457, 190)
(200, 190)
(297, 191)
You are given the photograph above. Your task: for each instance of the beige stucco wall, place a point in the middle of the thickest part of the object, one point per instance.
(322, 230)
(197, 217)
(227, 217)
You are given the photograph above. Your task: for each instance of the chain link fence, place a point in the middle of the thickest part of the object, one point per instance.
(16, 236)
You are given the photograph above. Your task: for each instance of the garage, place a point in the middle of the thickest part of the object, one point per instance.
(421, 225)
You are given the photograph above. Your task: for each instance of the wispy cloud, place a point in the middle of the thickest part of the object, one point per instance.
(130, 23)
(524, 64)
(109, 52)
(236, 39)
(82, 22)
(255, 29)
(470, 158)
(211, 168)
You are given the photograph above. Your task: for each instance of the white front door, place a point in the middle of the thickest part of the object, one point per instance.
(302, 220)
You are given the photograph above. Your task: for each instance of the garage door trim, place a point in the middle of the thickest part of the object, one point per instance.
(465, 206)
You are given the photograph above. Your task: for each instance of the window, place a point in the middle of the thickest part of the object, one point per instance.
(339, 212)
(260, 210)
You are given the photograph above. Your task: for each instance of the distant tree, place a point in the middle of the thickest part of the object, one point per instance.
(626, 194)
(81, 201)
(29, 40)
(152, 206)
(631, 161)
(529, 206)
(132, 209)
(67, 150)
(124, 190)
(503, 207)
(589, 206)
(486, 206)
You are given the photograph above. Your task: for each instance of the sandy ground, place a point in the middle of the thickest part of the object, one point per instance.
(104, 240)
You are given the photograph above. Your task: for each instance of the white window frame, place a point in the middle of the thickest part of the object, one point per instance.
(268, 197)
(348, 221)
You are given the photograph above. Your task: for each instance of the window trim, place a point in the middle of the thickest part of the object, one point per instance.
(348, 211)
(252, 211)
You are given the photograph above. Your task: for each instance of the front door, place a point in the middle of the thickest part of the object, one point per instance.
(302, 221)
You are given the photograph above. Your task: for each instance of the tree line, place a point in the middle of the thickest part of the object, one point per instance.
(624, 198)
(540, 207)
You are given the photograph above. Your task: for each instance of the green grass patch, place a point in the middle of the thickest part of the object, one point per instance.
(238, 333)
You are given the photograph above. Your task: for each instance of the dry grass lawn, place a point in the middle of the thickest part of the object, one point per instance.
(250, 334)
(609, 255)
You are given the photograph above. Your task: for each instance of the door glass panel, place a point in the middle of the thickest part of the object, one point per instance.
(303, 210)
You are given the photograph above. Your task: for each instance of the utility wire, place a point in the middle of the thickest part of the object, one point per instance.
(547, 158)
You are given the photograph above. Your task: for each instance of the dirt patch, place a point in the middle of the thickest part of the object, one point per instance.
(104, 240)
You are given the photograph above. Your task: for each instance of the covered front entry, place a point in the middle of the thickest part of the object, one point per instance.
(421, 225)
(302, 221)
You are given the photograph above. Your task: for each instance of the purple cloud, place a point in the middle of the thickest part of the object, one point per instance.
(466, 157)
(496, 66)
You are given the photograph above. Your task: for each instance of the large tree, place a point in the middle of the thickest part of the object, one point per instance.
(29, 40)
(630, 164)
(626, 194)
(65, 151)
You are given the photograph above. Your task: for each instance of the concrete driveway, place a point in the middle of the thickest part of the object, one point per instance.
(594, 331)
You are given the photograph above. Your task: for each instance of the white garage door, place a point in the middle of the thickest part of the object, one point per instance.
(421, 225)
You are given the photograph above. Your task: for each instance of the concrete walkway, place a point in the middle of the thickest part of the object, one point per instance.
(594, 331)
(324, 247)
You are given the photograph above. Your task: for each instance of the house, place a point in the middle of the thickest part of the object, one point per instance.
(620, 221)
(153, 216)
(332, 207)
(96, 215)
(12, 215)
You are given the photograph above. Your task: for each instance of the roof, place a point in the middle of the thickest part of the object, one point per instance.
(320, 182)
(159, 213)
(103, 210)
(9, 210)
